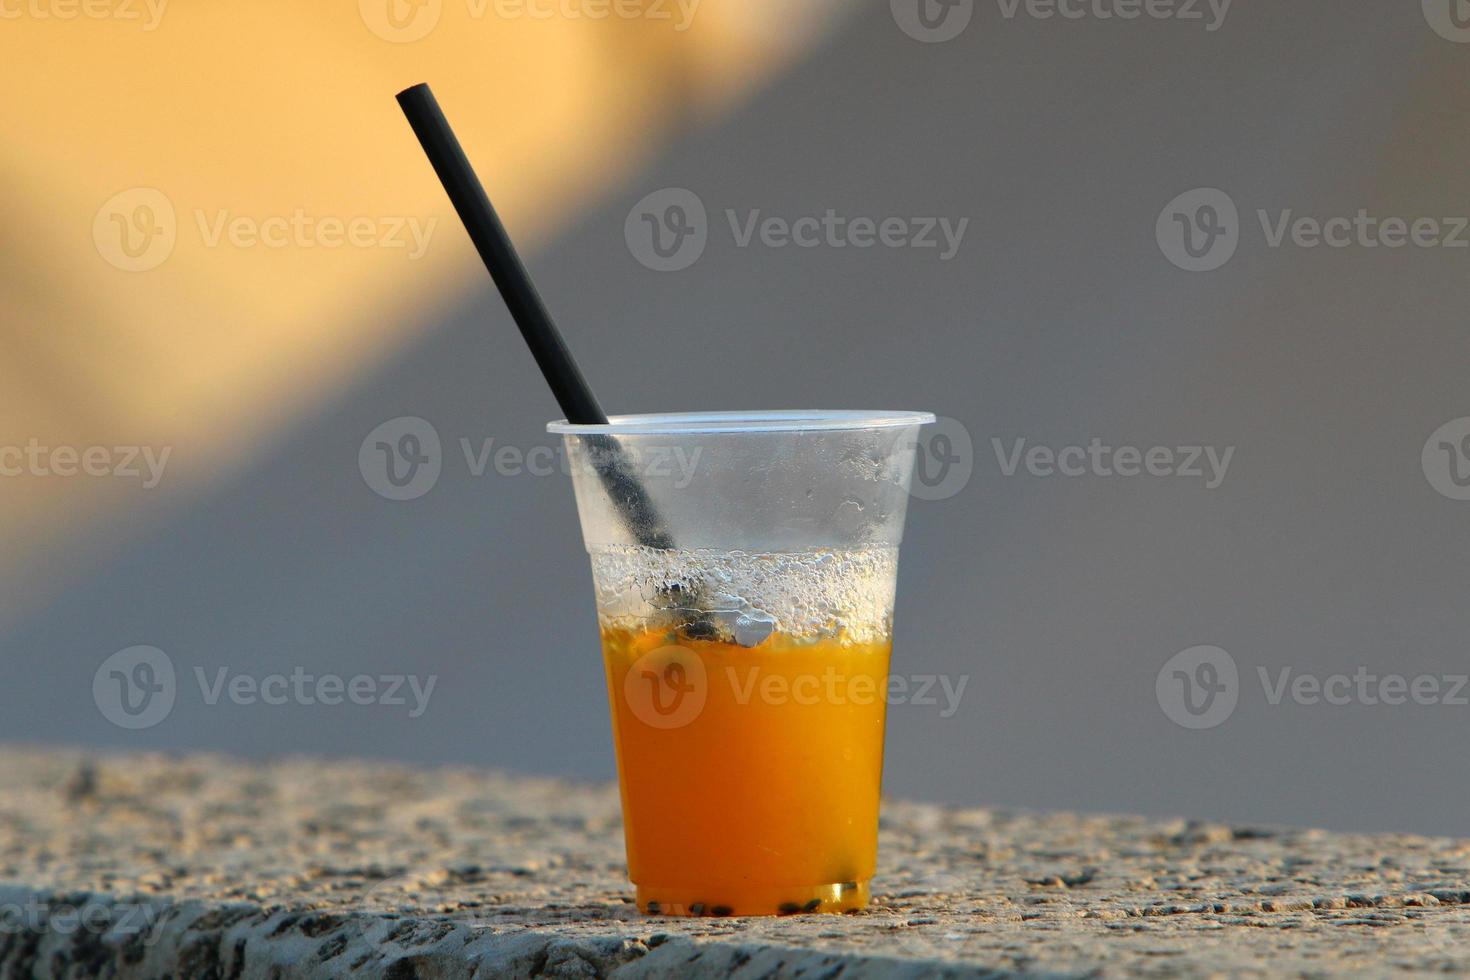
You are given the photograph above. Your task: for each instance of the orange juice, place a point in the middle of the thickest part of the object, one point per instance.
(745, 566)
(750, 774)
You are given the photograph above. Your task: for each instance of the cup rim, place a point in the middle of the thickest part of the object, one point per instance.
(680, 423)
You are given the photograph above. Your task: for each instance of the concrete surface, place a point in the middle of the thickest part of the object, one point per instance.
(201, 866)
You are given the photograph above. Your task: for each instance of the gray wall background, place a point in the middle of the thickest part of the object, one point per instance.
(1059, 320)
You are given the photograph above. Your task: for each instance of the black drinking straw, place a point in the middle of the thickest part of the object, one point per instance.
(572, 392)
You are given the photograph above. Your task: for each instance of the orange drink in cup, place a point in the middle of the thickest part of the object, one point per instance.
(745, 568)
(747, 668)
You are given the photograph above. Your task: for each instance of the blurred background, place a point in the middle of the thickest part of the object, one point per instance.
(227, 264)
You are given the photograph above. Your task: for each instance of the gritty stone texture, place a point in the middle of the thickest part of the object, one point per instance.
(198, 866)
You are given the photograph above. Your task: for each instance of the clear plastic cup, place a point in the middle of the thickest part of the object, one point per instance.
(746, 620)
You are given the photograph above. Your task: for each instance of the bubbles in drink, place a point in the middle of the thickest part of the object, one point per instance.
(742, 598)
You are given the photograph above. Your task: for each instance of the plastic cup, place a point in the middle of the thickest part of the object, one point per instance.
(747, 666)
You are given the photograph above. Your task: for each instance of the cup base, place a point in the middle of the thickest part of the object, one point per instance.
(836, 898)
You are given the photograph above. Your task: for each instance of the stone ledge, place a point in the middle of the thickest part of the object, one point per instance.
(145, 865)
